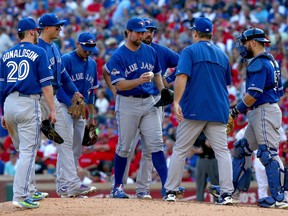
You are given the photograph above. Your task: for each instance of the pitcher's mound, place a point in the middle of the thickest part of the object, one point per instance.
(134, 207)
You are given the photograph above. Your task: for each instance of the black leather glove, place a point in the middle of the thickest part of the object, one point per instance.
(234, 112)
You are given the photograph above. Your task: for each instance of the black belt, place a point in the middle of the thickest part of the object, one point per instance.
(138, 96)
(252, 108)
(24, 95)
(32, 96)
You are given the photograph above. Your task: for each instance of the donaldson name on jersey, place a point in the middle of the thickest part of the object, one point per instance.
(25, 68)
(19, 53)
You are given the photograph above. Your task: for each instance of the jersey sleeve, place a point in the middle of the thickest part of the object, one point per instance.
(185, 63)
(44, 70)
(115, 69)
(157, 68)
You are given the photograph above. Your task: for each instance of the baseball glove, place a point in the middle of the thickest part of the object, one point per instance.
(48, 130)
(167, 96)
(230, 125)
(90, 136)
(78, 107)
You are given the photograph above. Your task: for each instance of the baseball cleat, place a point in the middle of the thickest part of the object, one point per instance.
(119, 193)
(27, 203)
(281, 205)
(225, 199)
(214, 190)
(180, 192)
(37, 196)
(83, 190)
(269, 202)
(144, 195)
(170, 196)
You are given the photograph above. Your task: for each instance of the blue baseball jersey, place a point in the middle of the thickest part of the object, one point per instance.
(84, 75)
(24, 68)
(59, 72)
(167, 59)
(206, 96)
(125, 64)
(264, 76)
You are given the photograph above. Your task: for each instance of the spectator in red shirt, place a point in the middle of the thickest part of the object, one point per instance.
(88, 159)
(105, 150)
(4, 155)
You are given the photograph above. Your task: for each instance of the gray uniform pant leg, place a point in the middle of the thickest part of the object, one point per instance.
(187, 133)
(130, 156)
(66, 170)
(217, 137)
(79, 128)
(22, 116)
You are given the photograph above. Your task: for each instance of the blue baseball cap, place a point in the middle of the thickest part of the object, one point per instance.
(88, 42)
(136, 24)
(149, 23)
(27, 24)
(50, 19)
(202, 24)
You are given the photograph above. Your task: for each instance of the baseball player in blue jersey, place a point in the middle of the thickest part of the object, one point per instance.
(167, 59)
(130, 69)
(24, 76)
(82, 70)
(65, 161)
(201, 104)
(263, 90)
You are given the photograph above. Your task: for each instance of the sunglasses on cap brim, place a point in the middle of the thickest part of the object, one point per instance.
(87, 44)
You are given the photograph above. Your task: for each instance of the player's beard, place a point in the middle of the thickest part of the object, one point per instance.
(137, 43)
(147, 40)
(249, 53)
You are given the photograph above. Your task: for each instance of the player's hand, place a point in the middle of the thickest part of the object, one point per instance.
(91, 121)
(147, 77)
(52, 117)
(78, 94)
(3, 123)
(178, 112)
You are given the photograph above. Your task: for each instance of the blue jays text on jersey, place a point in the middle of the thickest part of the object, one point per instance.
(83, 73)
(136, 66)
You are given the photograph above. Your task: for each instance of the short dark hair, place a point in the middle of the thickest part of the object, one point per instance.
(204, 35)
(21, 35)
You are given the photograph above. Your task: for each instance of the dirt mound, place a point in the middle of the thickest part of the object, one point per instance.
(131, 207)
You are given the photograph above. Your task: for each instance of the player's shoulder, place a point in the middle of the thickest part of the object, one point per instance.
(255, 65)
(69, 55)
(159, 47)
(91, 60)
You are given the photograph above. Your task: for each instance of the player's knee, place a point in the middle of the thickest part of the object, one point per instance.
(241, 175)
(264, 154)
(241, 149)
(123, 153)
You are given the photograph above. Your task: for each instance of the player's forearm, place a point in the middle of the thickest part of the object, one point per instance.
(125, 85)
(158, 82)
(49, 97)
(179, 87)
(107, 79)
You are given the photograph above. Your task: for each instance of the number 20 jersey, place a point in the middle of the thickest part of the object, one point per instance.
(24, 68)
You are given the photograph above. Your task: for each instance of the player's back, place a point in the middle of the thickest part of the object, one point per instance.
(21, 67)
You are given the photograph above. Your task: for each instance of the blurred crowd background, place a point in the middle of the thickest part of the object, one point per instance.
(107, 20)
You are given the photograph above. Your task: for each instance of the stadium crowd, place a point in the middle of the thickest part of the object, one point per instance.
(107, 19)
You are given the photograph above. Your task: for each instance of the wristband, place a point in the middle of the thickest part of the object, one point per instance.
(242, 107)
